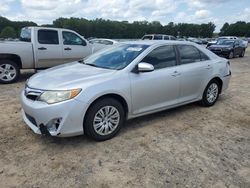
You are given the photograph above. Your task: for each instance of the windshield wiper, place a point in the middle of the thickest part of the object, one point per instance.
(93, 65)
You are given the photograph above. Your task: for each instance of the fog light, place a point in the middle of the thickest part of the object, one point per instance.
(53, 125)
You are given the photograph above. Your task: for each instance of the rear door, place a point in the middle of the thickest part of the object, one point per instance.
(195, 68)
(74, 47)
(48, 50)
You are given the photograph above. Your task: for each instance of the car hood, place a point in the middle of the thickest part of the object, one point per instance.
(220, 46)
(68, 76)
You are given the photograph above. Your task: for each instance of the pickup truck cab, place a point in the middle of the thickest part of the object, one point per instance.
(39, 48)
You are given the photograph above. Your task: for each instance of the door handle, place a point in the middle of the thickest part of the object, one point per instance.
(42, 48)
(176, 73)
(67, 49)
(208, 67)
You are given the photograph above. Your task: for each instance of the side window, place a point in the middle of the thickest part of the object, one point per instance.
(166, 37)
(188, 54)
(106, 42)
(158, 37)
(70, 38)
(204, 57)
(161, 57)
(173, 38)
(48, 36)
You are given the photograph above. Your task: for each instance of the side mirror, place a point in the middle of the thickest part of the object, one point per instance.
(145, 67)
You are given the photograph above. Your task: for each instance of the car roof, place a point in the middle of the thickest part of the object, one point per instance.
(156, 42)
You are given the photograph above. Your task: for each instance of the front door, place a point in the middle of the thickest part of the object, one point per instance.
(74, 47)
(157, 89)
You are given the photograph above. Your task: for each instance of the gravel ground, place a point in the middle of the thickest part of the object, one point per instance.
(190, 146)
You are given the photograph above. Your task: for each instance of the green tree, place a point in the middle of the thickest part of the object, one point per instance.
(8, 32)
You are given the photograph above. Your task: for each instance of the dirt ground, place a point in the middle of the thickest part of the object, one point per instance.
(190, 146)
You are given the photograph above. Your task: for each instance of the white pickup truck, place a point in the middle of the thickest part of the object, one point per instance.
(40, 48)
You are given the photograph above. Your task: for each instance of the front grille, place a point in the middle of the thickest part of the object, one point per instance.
(32, 94)
(31, 119)
(217, 50)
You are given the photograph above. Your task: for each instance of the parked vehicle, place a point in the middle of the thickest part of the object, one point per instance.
(40, 48)
(228, 48)
(158, 37)
(244, 42)
(100, 43)
(195, 40)
(95, 96)
(213, 42)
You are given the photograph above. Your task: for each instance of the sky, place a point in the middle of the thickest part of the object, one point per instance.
(165, 11)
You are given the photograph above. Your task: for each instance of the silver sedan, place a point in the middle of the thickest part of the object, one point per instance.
(96, 95)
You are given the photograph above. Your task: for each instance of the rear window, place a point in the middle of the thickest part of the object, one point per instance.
(48, 37)
(25, 34)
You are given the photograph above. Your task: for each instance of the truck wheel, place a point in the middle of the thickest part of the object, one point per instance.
(9, 72)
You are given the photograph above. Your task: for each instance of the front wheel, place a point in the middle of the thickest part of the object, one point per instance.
(211, 94)
(231, 55)
(9, 72)
(242, 53)
(104, 119)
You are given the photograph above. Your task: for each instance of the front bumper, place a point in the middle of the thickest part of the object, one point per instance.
(68, 114)
(221, 53)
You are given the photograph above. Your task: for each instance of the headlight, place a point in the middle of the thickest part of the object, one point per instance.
(52, 97)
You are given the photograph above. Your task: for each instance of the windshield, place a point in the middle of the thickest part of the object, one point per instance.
(225, 42)
(25, 34)
(147, 37)
(117, 57)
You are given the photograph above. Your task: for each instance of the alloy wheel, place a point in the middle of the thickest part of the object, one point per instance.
(7, 72)
(106, 120)
(212, 93)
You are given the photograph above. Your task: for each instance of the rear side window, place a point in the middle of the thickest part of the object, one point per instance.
(188, 54)
(48, 37)
(161, 57)
(204, 57)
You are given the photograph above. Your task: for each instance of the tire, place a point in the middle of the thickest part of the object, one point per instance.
(242, 53)
(9, 72)
(96, 116)
(207, 99)
(231, 55)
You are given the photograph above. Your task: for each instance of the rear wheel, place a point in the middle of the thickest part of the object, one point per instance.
(9, 72)
(104, 119)
(211, 93)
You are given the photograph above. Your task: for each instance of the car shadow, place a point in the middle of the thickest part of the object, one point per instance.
(26, 74)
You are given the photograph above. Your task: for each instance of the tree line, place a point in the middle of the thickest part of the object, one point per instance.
(124, 29)
(241, 29)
